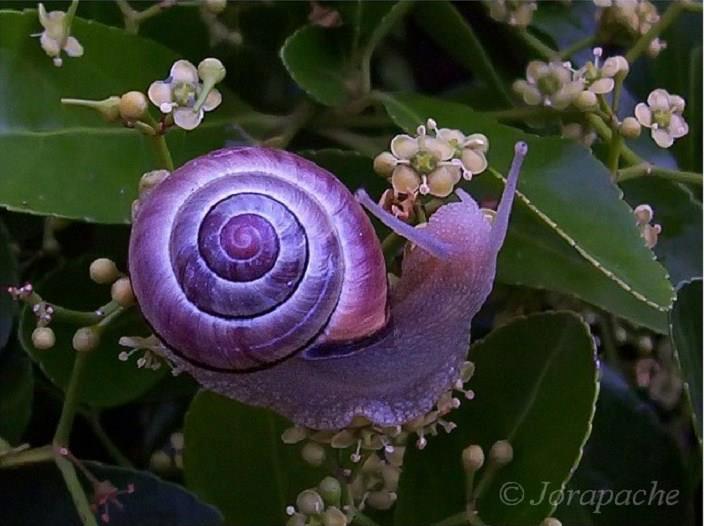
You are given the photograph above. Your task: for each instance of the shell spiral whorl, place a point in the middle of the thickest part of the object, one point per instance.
(245, 256)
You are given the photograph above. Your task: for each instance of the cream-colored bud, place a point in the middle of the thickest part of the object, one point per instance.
(122, 292)
(133, 106)
(215, 6)
(630, 128)
(313, 454)
(586, 101)
(294, 435)
(103, 271)
(334, 517)
(501, 452)
(381, 500)
(211, 69)
(160, 462)
(472, 458)
(384, 163)
(331, 490)
(43, 338)
(310, 502)
(85, 339)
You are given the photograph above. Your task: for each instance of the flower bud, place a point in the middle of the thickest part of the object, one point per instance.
(644, 214)
(551, 521)
(103, 271)
(133, 105)
(293, 435)
(501, 452)
(160, 462)
(310, 502)
(331, 490)
(472, 458)
(586, 101)
(630, 128)
(122, 292)
(381, 500)
(85, 339)
(43, 338)
(313, 454)
(211, 69)
(384, 163)
(334, 517)
(215, 6)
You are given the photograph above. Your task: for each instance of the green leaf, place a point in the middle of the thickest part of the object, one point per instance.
(8, 277)
(314, 57)
(444, 23)
(679, 246)
(37, 495)
(568, 190)
(64, 160)
(16, 390)
(629, 450)
(235, 459)
(686, 333)
(108, 381)
(535, 386)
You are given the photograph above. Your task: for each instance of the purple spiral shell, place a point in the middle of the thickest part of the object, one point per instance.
(245, 256)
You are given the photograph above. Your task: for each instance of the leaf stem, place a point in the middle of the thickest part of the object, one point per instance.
(68, 412)
(68, 471)
(579, 45)
(538, 46)
(667, 18)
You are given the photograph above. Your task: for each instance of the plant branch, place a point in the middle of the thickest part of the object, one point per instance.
(68, 471)
(579, 45)
(14, 459)
(667, 18)
(538, 46)
(73, 391)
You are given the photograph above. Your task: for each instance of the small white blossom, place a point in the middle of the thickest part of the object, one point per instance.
(548, 84)
(663, 115)
(55, 37)
(599, 77)
(180, 95)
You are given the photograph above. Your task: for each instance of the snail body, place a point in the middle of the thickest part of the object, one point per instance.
(262, 276)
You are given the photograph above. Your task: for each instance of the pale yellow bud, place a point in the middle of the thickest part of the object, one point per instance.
(310, 502)
(43, 338)
(384, 163)
(501, 452)
(103, 271)
(630, 128)
(586, 101)
(85, 339)
(211, 69)
(133, 106)
(472, 458)
(313, 454)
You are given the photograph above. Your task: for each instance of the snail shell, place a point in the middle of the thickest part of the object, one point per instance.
(262, 275)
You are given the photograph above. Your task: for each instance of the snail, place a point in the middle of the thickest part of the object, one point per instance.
(264, 279)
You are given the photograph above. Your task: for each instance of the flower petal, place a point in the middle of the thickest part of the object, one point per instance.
(49, 45)
(678, 126)
(404, 146)
(440, 149)
(186, 118)
(535, 70)
(477, 142)
(643, 114)
(602, 86)
(160, 93)
(474, 161)
(73, 47)
(614, 65)
(531, 95)
(184, 71)
(450, 135)
(677, 103)
(659, 99)
(443, 179)
(213, 100)
(662, 137)
(405, 179)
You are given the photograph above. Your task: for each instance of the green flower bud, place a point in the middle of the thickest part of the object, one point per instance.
(472, 458)
(331, 490)
(43, 338)
(211, 69)
(586, 101)
(122, 293)
(309, 502)
(133, 106)
(103, 271)
(313, 454)
(85, 339)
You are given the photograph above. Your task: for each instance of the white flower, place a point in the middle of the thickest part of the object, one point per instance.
(180, 95)
(663, 115)
(517, 13)
(550, 84)
(55, 37)
(599, 78)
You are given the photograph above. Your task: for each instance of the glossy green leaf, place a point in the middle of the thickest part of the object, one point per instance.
(16, 390)
(536, 386)
(315, 58)
(679, 246)
(235, 459)
(37, 495)
(108, 381)
(67, 161)
(629, 451)
(686, 333)
(8, 277)
(567, 189)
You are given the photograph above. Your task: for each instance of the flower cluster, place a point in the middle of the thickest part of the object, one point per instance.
(432, 161)
(184, 96)
(517, 13)
(319, 506)
(663, 115)
(649, 231)
(56, 36)
(631, 18)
